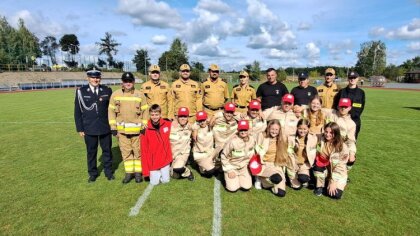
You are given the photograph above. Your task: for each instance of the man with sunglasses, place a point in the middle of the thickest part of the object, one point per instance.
(328, 90)
(128, 114)
(215, 91)
(186, 93)
(157, 91)
(91, 118)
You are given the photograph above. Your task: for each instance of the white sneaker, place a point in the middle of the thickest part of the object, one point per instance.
(257, 184)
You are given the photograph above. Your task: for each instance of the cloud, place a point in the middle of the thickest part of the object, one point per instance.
(340, 47)
(213, 6)
(210, 47)
(269, 38)
(159, 39)
(304, 26)
(280, 54)
(41, 25)
(406, 32)
(312, 51)
(260, 11)
(150, 13)
(414, 47)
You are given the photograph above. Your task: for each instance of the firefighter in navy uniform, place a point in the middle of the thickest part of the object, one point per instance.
(91, 118)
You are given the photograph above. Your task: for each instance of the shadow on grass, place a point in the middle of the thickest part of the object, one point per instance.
(414, 108)
(116, 160)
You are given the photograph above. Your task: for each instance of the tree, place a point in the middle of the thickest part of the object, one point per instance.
(49, 48)
(69, 43)
(371, 58)
(314, 74)
(255, 71)
(142, 61)
(108, 46)
(23, 45)
(175, 57)
(411, 64)
(281, 75)
(198, 65)
(392, 72)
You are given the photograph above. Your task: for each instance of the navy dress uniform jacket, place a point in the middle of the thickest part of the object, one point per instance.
(90, 118)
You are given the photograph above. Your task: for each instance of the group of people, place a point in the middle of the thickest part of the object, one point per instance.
(268, 138)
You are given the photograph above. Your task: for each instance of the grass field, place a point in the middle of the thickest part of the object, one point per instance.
(45, 191)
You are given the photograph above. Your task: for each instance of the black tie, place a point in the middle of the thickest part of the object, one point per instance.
(95, 91)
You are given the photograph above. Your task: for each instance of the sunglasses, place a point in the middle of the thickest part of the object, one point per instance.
(350, 78)
(242, 76)
(128, 81)
(214, 71)
(155, 72)
(185, 71)
(328, 74)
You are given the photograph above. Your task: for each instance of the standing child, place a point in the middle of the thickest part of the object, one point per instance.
(181, 145)
(302, 150)
(203, 150)
(330, 162)
(272, 149)
(235, 158)
(156, 153)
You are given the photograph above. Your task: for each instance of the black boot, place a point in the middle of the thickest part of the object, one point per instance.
(128, 177)
(138, 177)
(191, 177)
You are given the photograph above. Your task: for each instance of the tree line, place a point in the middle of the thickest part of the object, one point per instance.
(21, 46)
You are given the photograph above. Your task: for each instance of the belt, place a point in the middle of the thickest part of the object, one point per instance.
(240, 106)
(213, 109)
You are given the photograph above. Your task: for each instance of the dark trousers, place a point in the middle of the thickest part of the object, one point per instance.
(358, 126)
(105, 141)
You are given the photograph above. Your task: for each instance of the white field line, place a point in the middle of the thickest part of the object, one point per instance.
(136, 209)
(217, 209)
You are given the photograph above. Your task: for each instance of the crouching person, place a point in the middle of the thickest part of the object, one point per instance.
(235, 158)
(203, 150)
(155, 147)
(272, 150)
(180, 139)
(330, 162)
(302, 151)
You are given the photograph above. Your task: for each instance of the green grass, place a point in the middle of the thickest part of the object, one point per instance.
(45, 191)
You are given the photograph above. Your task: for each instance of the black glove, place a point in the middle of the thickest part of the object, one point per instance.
(114, 133)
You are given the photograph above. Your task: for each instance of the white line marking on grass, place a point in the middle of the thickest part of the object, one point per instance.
(403, 120)
(217, 209)
(136, 209)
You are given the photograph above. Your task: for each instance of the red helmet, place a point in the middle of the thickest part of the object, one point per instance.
(254, 105)
(229, 106)
(243, 125)
(183, 111)
(201, 115)
(288, 98)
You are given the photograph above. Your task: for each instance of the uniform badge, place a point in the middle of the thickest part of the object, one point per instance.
(165, 129)
(238, 89)
(178, 86)
(335, 90)
(148, 87)
(320, 90)
(100, 99)
(207, 86)
(309, 94)
(192, 86)
(163, 87)
(277, 91)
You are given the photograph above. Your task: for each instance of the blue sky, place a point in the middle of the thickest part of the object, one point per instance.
(233, 33)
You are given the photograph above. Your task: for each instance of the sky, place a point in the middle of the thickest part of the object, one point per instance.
(232, 34)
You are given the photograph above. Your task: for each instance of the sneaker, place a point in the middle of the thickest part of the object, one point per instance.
(318, 191)
(257, 184)
(92, 179)
(305, 185)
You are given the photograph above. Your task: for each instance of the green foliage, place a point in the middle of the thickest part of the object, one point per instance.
(142, 61)
(371, 58)
(411, 64)
(49, 47)
(281, 75)
(196, 74)
(70, 44)
(175, 57)
(314, 74)
(392, 72)
(108, 46)
(255, 70)
(197, 65)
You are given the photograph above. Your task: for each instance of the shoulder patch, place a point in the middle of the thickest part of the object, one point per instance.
(320, 90)
(148, 87)
(238, 89)
(335, 90)
(163, 87)
(193, 86)
(178, 86)
(207, 86)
